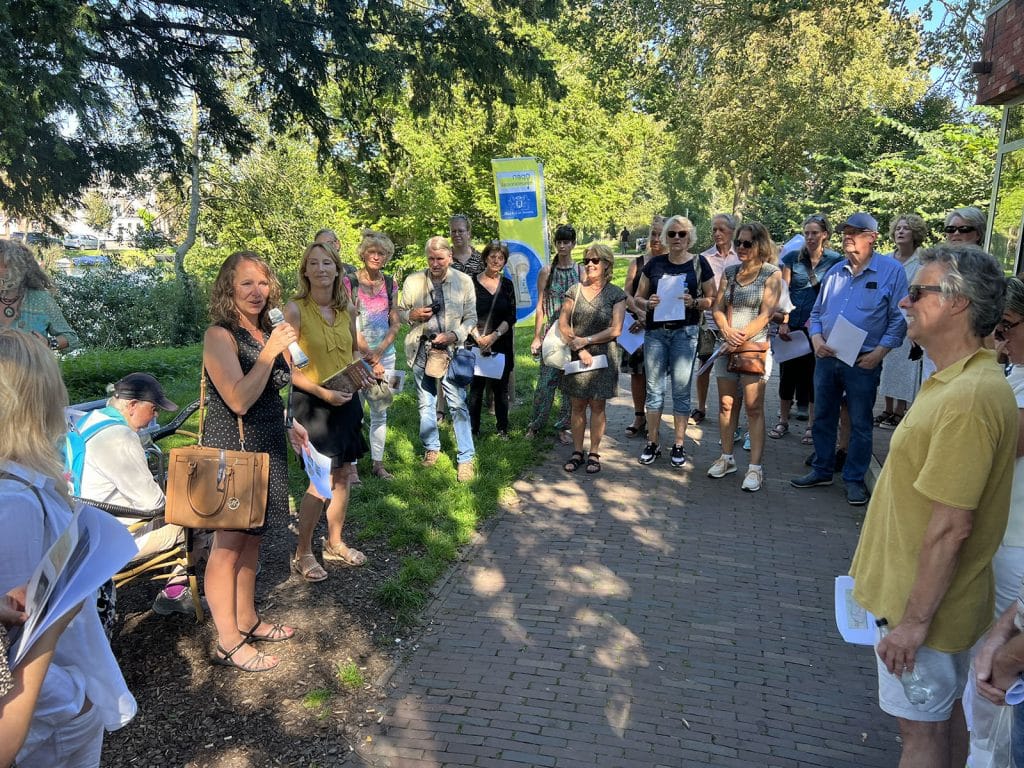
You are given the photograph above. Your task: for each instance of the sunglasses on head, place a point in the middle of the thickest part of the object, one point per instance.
(743, 243)
(961, 230)
(1003, 327)
(914, 292)
(677, 233)
(591, 260)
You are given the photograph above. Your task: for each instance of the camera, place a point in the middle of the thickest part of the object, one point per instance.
(435, 307)
(431, 336)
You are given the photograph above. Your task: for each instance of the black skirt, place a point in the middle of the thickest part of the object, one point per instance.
(335, 430)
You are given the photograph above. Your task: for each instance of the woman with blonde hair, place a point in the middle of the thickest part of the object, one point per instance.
(83, 691)
(324, 318)
(245, 367)
(590, 321)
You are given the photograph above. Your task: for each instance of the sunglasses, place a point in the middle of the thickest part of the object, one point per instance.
(672, 233)
(960, 230)
(1002, 329)
(591, 260)
(743, 243)
(914, 292)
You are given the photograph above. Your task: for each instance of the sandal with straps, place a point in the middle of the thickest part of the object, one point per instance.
(633, 430)
(593, 463)
(780, 430)
(575, 462)
(883, 416)
(278, 633)
(308, 568)
(257, 663)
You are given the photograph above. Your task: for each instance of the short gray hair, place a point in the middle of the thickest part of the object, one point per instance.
(972, 216)
(975, 275)
(728, 218)
(437, 243)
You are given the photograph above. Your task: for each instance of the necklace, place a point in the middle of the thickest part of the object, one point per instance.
(9, 304)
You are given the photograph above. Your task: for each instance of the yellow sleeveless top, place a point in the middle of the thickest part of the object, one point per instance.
(329, 347)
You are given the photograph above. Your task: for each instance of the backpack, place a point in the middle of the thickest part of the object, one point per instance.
(74, 448)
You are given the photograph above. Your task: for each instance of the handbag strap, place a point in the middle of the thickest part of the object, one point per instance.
(494, 300)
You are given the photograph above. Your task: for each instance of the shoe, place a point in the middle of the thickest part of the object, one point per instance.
(883, 416)
(637, 427)
(746, 442)
(752, 480)
(430, 458)
(840, 459)
(308, 568)
(856, 494)
(593, 463)
(810, 480)
(380, 472)
(780, 430)
(650, 453)
(165, 606)
(258, 663)
(354, 558)
(575, 462)
(466, 471)
(678, 456)
(697, 416)
(892, 422)
(722, 467)
(565, 437)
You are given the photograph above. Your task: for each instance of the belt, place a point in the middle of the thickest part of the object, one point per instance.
(675, 325)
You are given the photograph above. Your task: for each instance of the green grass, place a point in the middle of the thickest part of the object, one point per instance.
(350, 676)
(317, 698)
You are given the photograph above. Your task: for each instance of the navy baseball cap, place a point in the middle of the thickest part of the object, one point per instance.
(142, 386)
(861, 220)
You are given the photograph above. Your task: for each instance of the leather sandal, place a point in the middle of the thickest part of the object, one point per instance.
(883, 416)
(593, 463)
(257, 663)
(575, 462)
(278, 633)
(633, 430)
(308, 568)
(352, 558)
(779, 430)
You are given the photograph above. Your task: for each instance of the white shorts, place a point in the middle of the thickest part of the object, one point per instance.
(945, 673)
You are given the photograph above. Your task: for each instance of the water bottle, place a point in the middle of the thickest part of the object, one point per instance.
(914, 686)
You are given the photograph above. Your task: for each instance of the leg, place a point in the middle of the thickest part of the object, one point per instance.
(598, 420)
(310, 509)
(727, 417)
(828, 393)
(566, 407)
(926, 745)
(337, 507)
(502, 389)
(703, 385)
(426, 392)
(475, 402)
(861, 389)
(681, 352)
(656, 352)
(543, 396)
(788, 372)
(378, 436)
(753, 400)
(579, 422)
(456, 399)
(638, 389)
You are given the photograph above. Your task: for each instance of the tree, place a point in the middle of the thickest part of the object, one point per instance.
(89, 86)
(98, 213)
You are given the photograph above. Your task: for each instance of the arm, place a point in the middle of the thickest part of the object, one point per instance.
(221, 360)
(643, 300)
(564, 325)
(787, 278)
(733, 337)
(539, 319)
(300, 380)
(1005, 641)
(947, 530)
(628, 287)
(815, 329)
(394, 323)
(117, 454)
(506, 321)
(468, 314)
(57, 326)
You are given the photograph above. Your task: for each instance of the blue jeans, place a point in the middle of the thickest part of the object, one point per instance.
(1017, 737)
(670, 352)
(833, 378)
(426, 390)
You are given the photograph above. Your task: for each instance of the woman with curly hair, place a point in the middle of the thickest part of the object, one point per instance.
(26, 300)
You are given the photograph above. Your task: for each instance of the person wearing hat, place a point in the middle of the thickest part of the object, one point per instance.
(115, 471)
(865, 289)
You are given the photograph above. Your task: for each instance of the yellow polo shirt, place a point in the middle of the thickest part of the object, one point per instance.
(955, 446)
(329, 347)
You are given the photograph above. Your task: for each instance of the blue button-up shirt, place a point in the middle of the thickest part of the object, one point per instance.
(868, 300)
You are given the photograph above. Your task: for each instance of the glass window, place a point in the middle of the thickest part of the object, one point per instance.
(1014, 123)
(1005, 242)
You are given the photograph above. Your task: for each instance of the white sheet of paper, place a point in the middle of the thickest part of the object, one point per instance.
(629, 341)
(855, 624)
(318, 467)
(846, 339)
(575, 366)
(491, 367)
(797, 346)
(711, 359)
(671, 289)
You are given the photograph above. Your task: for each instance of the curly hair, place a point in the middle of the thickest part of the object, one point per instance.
(22, 269)
(918, 229)
(377, 241)
(340, 297)
(222, 295)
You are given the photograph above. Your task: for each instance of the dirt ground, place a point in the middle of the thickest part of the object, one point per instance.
(300, 714)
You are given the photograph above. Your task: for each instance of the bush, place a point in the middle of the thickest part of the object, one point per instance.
(112, 307)
(87, 375)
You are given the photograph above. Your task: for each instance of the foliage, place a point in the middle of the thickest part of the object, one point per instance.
(350, 676)
(98, 213)
(87, 374)
(96, 305)
(90, 87)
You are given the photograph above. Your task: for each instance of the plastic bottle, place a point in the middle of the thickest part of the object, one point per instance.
(914, 686)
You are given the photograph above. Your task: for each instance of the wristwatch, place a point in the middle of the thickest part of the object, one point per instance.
(54, 343)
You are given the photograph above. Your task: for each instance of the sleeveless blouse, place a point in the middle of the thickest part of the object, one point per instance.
(329, 347)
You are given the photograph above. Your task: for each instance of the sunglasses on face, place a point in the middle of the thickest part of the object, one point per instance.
(743, 243)
(591, 260)
(960, 230)
(914, 292)
(1003, 328)
(672, 233)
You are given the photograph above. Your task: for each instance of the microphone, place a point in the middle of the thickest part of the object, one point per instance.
(299, 358)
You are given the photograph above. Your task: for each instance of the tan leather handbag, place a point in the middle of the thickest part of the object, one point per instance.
(216, 487)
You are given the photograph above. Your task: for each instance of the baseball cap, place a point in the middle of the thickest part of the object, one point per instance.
(142, 386)
(861, 220)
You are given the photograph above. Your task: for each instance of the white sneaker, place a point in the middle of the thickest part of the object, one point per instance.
(752, 480)
(722, 467)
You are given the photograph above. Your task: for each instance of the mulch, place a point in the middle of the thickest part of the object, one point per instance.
(194, 714)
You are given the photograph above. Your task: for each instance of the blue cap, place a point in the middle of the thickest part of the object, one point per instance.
(861, 220)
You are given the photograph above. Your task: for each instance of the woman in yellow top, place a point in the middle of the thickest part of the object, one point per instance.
(323, 316)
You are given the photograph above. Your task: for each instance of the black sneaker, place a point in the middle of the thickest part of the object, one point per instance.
(678, 456)
(650, 453)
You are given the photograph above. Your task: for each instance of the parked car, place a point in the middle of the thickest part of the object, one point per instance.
(40, 238)
(88, 242)
(20, 236)
(72, 241)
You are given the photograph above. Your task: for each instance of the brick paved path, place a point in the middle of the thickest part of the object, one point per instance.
(644, 617)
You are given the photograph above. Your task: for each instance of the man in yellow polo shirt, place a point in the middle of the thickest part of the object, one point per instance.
(924, 560)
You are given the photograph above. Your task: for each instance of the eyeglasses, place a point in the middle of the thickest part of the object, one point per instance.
(496, 243)
(673, 233)
(960, 230)
(591, 260)
(1001, 329)
(743, 243)
(914, 292)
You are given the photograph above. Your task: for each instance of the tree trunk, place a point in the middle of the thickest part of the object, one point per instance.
(194, 199)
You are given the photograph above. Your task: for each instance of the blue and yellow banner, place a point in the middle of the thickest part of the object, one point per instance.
(523, 224)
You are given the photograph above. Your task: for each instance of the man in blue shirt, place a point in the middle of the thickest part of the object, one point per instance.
(865, 289)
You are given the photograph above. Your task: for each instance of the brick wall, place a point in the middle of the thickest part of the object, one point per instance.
(1004, 47)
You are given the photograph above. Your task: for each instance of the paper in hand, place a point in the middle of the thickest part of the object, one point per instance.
(318, 467)
(671, 289)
